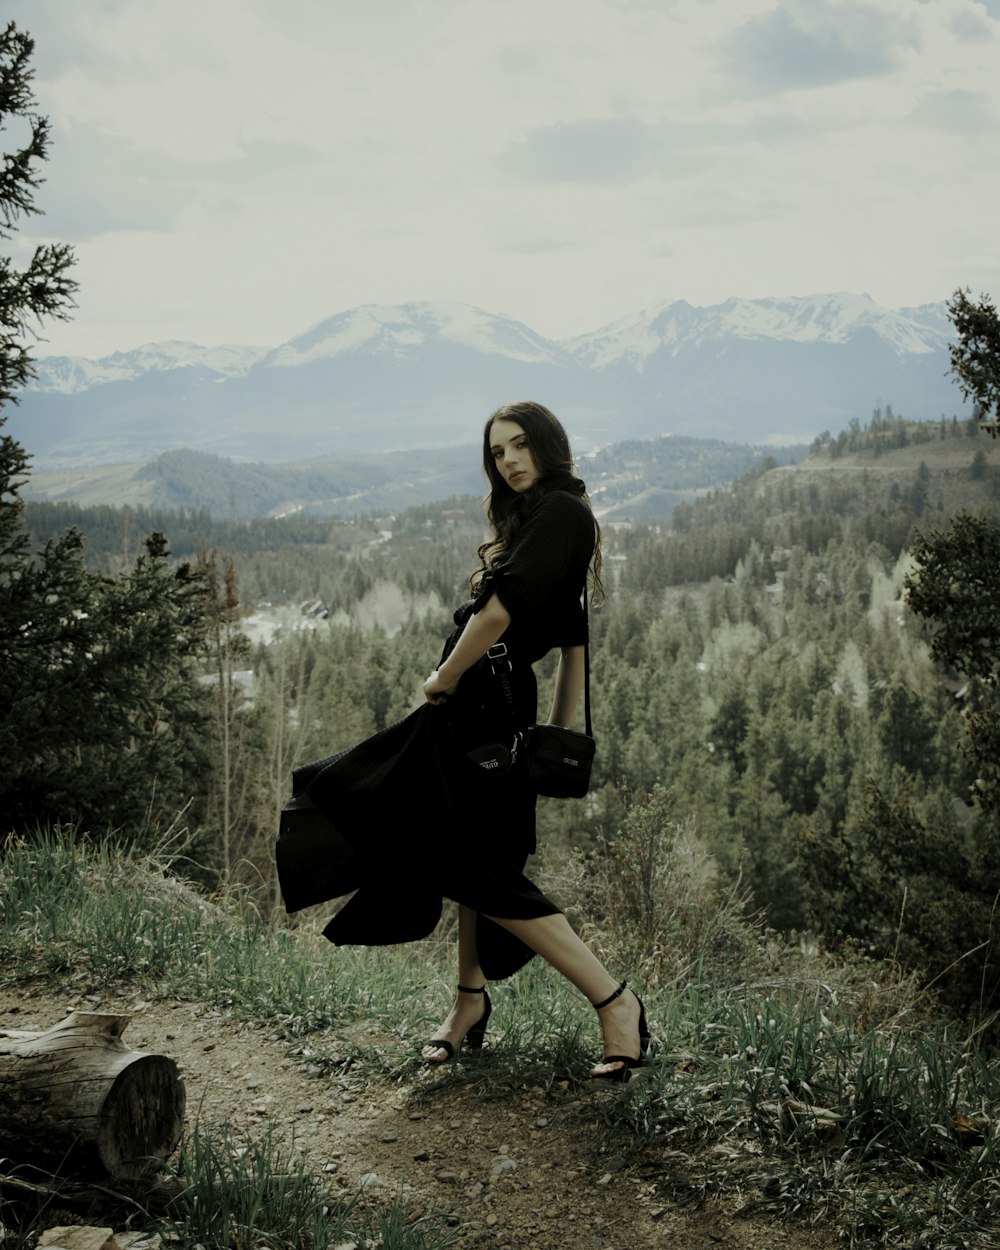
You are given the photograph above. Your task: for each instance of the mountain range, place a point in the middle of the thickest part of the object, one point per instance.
(378, 378)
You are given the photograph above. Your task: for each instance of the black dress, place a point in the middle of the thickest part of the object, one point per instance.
(352, 821)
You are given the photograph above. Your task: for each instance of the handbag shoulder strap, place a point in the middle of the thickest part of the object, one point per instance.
(500, 665)
(586, 665)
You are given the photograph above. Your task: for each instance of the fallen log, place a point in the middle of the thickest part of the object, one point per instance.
(76, 1093)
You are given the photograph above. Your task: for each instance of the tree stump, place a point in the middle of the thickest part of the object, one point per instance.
(77, 1093)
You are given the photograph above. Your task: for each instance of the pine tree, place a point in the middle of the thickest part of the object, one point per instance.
(102, 718)
(956, 588)
(43, 289)
(975, 357)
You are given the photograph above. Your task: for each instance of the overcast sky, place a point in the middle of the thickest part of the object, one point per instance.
(236, 170)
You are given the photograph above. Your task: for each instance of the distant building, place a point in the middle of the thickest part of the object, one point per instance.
(316, 609)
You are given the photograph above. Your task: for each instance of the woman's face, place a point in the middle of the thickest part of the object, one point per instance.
(512, 455)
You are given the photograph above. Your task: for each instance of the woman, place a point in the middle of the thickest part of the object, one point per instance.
(528, 598)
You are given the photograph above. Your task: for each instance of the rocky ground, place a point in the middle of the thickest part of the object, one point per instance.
(522, 1169)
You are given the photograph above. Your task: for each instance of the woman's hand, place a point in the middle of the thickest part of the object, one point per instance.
(436, 690)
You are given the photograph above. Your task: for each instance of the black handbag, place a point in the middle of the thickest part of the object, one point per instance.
(559, 759)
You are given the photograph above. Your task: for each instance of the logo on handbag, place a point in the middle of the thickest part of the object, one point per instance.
(493, 757)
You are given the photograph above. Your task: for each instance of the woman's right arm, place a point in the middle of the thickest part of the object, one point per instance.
(481, 632)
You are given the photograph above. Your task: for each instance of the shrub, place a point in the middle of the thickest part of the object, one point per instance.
(648, 898)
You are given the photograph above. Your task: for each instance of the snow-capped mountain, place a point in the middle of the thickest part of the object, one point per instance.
(676, 326)
(933, 317)
(69, 374)
(403, 330)
(765, 369)
(380, 377)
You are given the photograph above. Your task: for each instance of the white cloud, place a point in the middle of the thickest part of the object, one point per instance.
(814, 43)
(967, 114)
(614, 149)
(236, 170)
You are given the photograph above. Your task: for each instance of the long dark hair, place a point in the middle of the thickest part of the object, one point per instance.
(506, 509)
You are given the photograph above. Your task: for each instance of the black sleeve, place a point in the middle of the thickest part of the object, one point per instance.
(557, 539)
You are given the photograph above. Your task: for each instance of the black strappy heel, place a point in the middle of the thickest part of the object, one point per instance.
(622, 1074)
(474, 1037)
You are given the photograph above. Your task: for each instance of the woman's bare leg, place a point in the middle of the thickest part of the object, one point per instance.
(557, 943)
(469, 971)
(468, 1008)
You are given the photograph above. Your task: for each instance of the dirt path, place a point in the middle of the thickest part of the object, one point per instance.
(518, 1171)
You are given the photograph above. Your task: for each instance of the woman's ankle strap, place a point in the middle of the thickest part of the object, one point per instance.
(465, 989)
(611, 997)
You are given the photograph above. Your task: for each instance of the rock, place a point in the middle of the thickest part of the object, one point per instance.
(421, 1156)
(78, 1237)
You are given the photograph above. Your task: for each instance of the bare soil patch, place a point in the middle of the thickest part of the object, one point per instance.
(522, 1170)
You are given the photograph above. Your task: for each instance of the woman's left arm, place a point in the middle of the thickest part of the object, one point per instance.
(481, 632)
(569, 683)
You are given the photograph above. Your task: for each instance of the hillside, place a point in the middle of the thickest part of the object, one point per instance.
(630, 479)
(958, 463)
(306, 1095)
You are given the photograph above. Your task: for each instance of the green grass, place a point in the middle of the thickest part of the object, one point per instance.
(259, 1193)
(99, 909)
(784, 1097)
(238, 1194)
(792, 1085)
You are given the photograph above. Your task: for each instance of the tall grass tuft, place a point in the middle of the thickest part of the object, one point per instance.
(259, 1193)
(775, 1094)
(249, 1194)
(104, 909)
